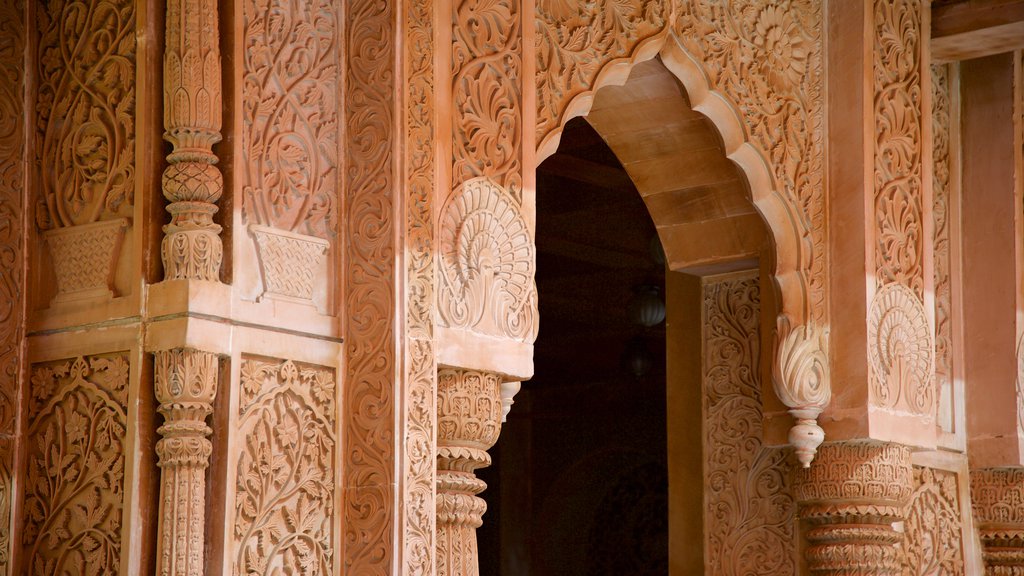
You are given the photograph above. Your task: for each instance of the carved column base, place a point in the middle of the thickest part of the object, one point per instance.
(469, 420)
(997, 497)
(851, 498)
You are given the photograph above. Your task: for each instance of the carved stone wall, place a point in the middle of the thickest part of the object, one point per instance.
(997, 500)
(900, 333)
(85, 139)
(12, 248)
(369, 290)
(934, 527)
(750, 514)
(284, 475)
(75, 466)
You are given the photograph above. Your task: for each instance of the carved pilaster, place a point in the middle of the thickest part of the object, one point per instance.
(192, 247)
(468, 423)
(186, 384)
(851, 498)
(997, 498)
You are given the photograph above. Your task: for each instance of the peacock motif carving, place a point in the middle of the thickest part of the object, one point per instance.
(488, 261)
(900, 351)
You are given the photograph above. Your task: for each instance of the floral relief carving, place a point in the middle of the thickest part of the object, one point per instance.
(486, 103)
(766, 58)
(898, 101)
(900, 351)
(941, 214)
(369, 299)
(488, 261)
(933, 526)
(12, 206)
(86, 111)
(284, 476)
(750, 514)
(75, 466)
(290, 122)
(420, 461)
(574, 41)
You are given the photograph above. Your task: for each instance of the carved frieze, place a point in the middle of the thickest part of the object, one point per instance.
(12, 207)
(370, 299)
(749, 519)
(900, 351)
(75, 464)
(488, 262)
(934, 527)
(942, 212)
(284, 475)
(997, 500)
(420, 459)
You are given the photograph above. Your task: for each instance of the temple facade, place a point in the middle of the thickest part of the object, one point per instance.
(269, 276)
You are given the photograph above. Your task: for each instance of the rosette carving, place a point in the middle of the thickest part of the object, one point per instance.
(488, 261)
(192, 248)
(851, 499)
(186, 384)
(900, 351)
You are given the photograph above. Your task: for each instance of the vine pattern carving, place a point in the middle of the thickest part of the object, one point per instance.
(12, 206)
(420, 465)
(750, 512)
(934, 528)
(85, 111)
(290, 122)
(74, 479)
(942, 211)
(369, 289)
(284, 477)
(488, 261)
(898, 101)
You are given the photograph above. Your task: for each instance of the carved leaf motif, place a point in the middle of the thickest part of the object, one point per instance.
(75, 466)
(86, 111)
(941, 212)
(934, 541)
(750, 512)
(290, 116)
(285, 473)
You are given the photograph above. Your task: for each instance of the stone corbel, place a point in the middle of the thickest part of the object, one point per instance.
(801, 381)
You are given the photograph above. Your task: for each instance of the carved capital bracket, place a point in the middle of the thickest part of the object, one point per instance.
(851, 499)
(192, 248)
(469, 411)
(186, 385)
(997, 500)
(801, 381)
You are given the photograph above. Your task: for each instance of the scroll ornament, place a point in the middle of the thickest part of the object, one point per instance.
(801, 381)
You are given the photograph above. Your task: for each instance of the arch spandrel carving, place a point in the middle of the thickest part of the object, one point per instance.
(755, 69)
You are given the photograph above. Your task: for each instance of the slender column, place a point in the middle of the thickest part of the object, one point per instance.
(851, 498)
(997, 497)
(468, 422)
(192, 247)
(186, 384)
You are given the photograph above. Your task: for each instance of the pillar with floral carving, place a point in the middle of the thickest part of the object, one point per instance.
(469, 412)
(186, 384)
(851, 499)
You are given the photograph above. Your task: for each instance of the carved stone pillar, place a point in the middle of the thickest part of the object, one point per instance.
(186, 384)
(192, 247)
(851, 498)
(997, 497)
(468, 423)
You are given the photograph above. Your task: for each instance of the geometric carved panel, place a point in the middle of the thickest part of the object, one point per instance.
(934, 528)
(284, 474)
(750, 514)
(74, 480)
